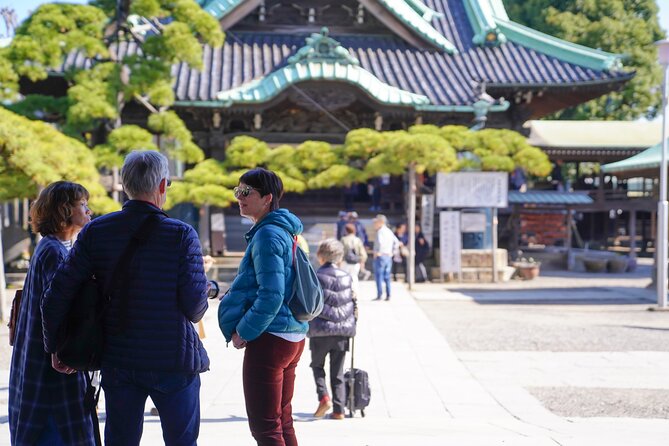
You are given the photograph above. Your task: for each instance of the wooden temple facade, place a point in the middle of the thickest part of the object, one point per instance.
(299, 70)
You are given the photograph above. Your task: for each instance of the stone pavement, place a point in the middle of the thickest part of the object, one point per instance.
(422, 393)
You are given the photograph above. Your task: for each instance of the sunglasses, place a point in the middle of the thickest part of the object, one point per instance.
(243, 191)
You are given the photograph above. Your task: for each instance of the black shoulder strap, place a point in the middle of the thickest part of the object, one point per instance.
(118, 283)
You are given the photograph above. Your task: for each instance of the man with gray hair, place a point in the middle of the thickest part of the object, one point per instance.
(151, 347)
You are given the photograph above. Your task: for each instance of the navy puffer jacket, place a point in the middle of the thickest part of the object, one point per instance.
(167, 292)
(338, 316)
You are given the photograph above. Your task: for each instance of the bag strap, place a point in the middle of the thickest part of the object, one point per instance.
(122, 269)
(294, 248)
(91, 399)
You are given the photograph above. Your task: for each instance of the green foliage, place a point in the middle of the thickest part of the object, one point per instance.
(47, 108)
(179, 142)
(93, 96)
(208, 182)
(246, 151)
(629, 27)
(52, 32)
(34, 154)
(120, 142)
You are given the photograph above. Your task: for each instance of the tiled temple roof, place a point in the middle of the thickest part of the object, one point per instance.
(445, 79)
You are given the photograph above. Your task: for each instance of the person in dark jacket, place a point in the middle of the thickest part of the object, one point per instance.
(329, 333)
(46, 398)
(422, 252)
(254, 314)
(151, 346)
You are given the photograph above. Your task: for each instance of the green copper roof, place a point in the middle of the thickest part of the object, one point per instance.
(482, 19)
(492, 26)
(220, 8)
(424, 11)
(406, 13)
(323, 58)
(412, 13)
(650, 158)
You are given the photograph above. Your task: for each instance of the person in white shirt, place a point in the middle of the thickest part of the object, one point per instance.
(385, 244)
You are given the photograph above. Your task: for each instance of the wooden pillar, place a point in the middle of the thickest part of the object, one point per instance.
(632, 233)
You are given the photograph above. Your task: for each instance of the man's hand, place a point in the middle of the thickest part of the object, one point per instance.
(237, 341)
(59, 366)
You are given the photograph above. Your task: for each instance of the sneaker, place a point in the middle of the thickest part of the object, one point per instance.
(378, 298)
(337, 416)
(323, 407)
(387, 297)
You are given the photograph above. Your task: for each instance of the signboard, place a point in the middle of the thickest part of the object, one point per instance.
(427, 217)
(217, 222)
(450, 242)
(472, 190)
(472, 222)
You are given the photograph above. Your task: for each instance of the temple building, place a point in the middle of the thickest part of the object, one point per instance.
(313, 70)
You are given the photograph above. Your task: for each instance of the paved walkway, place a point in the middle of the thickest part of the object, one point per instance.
(422, 394)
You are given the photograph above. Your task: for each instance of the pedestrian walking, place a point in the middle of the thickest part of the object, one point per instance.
(46, 398)
(400, 254)
(151, 347)
(385, 244)
(329, 333)
(422, 251)
(355, 255)
(254, 314)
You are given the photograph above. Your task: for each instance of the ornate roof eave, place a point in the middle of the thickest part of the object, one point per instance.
(322, 59)
(265, 89)
(412, 16)
(492, 27)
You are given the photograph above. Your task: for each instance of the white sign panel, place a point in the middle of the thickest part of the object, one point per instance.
(473, 190)
(450, 241)
(472, 222)
(427, 217)
(217, 222)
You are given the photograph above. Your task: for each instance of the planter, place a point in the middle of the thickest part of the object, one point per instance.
(617, 265)
(527, 271)
(595, 265)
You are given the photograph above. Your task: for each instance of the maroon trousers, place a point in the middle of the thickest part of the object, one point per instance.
(269, 381)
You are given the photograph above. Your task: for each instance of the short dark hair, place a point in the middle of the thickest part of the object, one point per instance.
(52, 211)
(350, 228)
(265, 182)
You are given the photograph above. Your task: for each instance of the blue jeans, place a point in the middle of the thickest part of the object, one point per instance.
(176, 396)
(382, 266)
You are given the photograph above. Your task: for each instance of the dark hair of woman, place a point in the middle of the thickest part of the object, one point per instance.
(266, 182)
(52, 211)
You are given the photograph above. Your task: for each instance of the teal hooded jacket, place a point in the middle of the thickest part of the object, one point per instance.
(256, 300)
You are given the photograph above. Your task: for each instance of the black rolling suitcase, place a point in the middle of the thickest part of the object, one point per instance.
(358, 381)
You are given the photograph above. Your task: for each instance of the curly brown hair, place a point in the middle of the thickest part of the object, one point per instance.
(52, 211)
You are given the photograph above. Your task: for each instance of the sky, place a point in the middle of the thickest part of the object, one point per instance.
(23, 8)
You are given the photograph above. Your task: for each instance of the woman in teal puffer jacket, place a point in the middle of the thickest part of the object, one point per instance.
(254, 314)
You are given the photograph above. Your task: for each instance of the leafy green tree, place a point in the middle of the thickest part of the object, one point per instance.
(629, 27)
(98, 93)
(34, 154)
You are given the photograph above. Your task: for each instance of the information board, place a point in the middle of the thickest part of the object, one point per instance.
(473, 190)
(450, 242)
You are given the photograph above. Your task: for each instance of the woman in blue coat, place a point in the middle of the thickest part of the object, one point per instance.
(46, 398)
(254, 314)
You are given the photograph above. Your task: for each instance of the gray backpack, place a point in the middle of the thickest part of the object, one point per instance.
(306, 299)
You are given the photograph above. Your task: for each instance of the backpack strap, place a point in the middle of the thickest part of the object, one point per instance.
(119, 281)
(294, 247)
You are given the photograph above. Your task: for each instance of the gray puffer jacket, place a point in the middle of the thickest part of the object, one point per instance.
(338, 316)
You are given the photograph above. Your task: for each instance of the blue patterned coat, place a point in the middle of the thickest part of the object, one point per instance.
(36, 390)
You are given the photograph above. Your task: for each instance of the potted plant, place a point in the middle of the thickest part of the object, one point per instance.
(527, 269)
(595, 265)
(617, 264)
